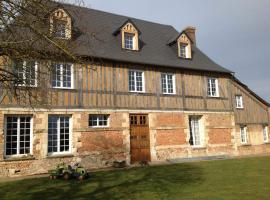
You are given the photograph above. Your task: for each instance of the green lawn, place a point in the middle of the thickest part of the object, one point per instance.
(239, 179)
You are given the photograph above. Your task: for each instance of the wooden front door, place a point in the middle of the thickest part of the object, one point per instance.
(139, 138)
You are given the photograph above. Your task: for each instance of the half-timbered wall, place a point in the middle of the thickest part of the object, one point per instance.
(253, 112)
(105, 85)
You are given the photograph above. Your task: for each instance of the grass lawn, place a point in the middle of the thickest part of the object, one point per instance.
(239, 179)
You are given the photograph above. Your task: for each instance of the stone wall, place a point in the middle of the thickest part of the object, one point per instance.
(99, 147)
(172, 135)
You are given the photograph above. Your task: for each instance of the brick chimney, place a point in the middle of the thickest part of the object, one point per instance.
(191, 32)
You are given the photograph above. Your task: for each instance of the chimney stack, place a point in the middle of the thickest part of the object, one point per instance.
(191, 32)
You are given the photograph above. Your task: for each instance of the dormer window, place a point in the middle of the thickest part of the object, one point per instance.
(183, 50)
(184, 46)
(60, 29)
(129, 41)
(60, 24)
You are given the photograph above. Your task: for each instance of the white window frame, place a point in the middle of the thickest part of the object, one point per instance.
(211, 88)
(55, 29)
(239, 101)
(243, 135)
(58, 137)
(61, 77)
(24, 75)
(201, 132)
(99, 115)
(265, 134)
(186, 49)
(166, 79)
(135, 84)
(133, 40)
(18, 136)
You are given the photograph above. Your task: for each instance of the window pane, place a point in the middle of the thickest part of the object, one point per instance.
(52, 134)
(67, 75)
(11, 136)
(129, 40)
(60, 28)
(98, 120)
(131, 76)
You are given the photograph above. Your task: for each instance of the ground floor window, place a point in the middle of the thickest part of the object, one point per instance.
(265, 134)
(98, 120)
(243, 135)
(59, 134)
(196, 135)
(18, 133)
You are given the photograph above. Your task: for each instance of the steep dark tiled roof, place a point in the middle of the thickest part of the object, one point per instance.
(97, 38)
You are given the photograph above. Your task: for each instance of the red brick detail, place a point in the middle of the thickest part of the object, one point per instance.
(171, 137)
(102, 141)
(219, 120)
(219, 136)
(170, 119)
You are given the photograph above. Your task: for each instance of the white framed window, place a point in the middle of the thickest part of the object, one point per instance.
(196, 132)
(239, 101)
(18, 135)
(183, 50)
(168, 83)
(265, 134)
(136, 81)
(212, 87)
(129, 40)
(243, 135)
(62, 75)
(27, 72)
(98, 121)
(60, 29)
(59, 134)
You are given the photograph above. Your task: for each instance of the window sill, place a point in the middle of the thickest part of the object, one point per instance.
(18, 158)
(245, 145)
(68, 155)
(135, 92)
(198, 148)
(62, 88)
(168, 94)
(213, 97)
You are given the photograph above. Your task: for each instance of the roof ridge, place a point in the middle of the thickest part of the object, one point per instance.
(120, 15)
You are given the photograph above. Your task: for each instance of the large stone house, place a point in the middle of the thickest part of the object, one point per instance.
(148, 93)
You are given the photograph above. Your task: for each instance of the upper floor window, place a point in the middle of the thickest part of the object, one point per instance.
(136, 81)
(60, 24)
(212, 87)
(129, 41)
(18, 135)
(26, 72)
(243, 135)
(239, 101)
(60, 29)
(62, 75)
(183, 51)
(168, 83)
(265, 134)
(98, 120)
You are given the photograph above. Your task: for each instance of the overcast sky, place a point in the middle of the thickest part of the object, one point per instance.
(234, 33)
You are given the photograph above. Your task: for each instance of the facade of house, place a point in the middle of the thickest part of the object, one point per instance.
(146, 93)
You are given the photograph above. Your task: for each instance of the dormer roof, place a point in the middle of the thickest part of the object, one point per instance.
(118, 30)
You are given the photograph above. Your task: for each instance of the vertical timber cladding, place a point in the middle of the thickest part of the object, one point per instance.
(139, 138)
